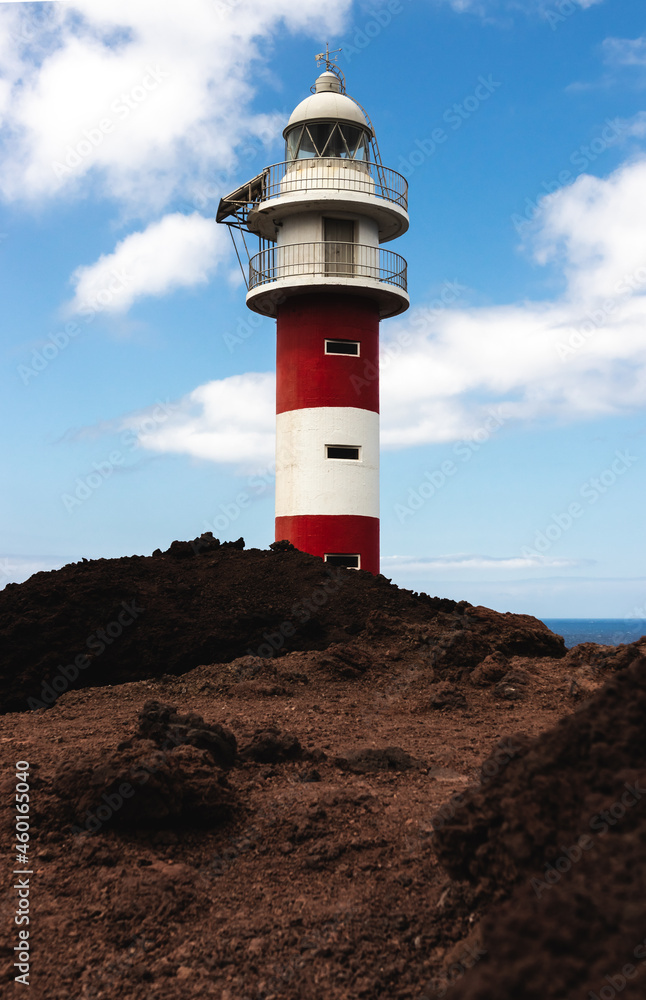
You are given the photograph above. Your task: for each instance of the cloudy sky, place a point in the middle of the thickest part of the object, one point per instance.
(138, 390)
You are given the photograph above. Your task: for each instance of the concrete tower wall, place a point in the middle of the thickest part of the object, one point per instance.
(305, 374)
(328, 505)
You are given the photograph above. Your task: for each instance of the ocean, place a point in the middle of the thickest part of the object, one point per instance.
(606, 631)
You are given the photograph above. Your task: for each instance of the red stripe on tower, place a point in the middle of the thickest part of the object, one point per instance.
(327, 209)
(321, 536)
(310, 330)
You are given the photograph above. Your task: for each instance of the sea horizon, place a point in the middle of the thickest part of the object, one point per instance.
(605, 631)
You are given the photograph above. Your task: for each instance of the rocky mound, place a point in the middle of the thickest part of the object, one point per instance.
(263, 828)
(170, 773)
(110, 621)
(141, 788)
(167, 728)
(559, 834)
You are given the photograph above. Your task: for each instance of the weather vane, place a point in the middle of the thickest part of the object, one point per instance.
(325, 57)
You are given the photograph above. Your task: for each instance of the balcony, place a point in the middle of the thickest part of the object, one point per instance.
(351, 268)
(319, 184)
(335, 174)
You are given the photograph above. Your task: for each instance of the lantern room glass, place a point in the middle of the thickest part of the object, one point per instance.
(336, 139)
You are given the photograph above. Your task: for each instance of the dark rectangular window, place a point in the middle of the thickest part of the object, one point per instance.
(341, 346)
(343, 559)
(342, 451)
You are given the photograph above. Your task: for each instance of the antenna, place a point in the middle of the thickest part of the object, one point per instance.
(330, 64)
(330, 60)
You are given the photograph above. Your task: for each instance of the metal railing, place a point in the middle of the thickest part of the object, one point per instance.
(333, 173)
(329, 260)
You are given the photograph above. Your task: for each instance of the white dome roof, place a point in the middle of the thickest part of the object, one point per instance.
(326, 104)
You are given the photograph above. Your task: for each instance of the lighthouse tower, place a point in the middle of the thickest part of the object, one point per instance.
(321, 216)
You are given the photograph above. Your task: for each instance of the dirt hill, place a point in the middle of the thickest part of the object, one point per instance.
(108, 621)
(392, 805)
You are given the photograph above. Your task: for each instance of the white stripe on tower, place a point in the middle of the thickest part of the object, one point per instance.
(310, 483)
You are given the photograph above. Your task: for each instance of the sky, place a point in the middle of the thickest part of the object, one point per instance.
(138, 390)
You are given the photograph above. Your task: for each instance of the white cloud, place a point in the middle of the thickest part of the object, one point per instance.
(229, 420)
(581, 355)
(415, 564)
(636, 126)
(549, 596)
(487, 8)
(625, 51)
(179, 251)
(149, 101)
(17, 569)
(594, 229)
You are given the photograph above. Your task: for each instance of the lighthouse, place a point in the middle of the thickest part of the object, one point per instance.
(321, 217)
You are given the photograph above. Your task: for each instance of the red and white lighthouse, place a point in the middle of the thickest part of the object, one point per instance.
(321, 216)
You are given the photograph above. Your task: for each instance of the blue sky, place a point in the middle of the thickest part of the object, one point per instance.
(137, 389)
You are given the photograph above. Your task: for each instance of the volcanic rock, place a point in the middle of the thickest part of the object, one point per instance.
(142, 786)
(443, 694)
(558, 834)
(167, 728)
(270, 746)
(372, 759)
(492, 669)
(109, 621)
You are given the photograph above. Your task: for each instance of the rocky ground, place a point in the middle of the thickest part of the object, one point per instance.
(390, 806)
(114, 620)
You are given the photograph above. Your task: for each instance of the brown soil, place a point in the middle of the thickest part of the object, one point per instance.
(288, 827)
(113, 620)
(561, 833)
